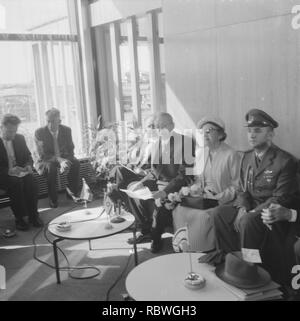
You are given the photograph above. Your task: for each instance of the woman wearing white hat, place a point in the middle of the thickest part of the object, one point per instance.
(216, 179)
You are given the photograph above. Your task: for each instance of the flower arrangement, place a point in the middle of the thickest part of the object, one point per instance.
(109, 146)
(173, 199)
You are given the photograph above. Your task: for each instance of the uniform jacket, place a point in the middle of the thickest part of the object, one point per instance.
(45, 142)
(22, 154)
(272, 181)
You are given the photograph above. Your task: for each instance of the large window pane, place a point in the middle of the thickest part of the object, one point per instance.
(50, 17)
(17, 90)
(126, 102)
(144, 78)
(141, 59)
(36, 76)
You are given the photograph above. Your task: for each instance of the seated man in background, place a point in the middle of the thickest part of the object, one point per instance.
(56, 152)
(16, 176)
(168, 164)
(267, 176)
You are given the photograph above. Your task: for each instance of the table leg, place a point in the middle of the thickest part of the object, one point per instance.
(56, 260)
(134, 246)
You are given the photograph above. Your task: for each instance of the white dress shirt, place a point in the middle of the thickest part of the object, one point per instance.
(10, 153)
(56, 147)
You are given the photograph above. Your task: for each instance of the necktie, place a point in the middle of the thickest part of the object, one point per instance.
(56, 147)
(10, 154)
(258, 160)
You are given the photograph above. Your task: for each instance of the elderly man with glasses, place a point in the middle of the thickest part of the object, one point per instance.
(171, 155)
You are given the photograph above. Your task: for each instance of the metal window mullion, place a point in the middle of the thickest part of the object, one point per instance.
(77, 95)
(65, 86)
(52, 57)
(110, 82)
(134, 68)
(38, 82)
(77, 90)
(114, 29)
(155, 70)
(36, 37)
(43, 87)
(46, 72)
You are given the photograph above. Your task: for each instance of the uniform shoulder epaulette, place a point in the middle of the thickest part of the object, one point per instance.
(283, 152)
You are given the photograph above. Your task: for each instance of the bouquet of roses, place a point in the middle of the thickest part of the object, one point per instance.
(173, 199)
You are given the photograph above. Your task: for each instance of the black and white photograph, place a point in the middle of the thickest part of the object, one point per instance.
(149, 153)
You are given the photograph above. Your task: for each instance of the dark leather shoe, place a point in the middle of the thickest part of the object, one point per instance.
(37, 222)
(53, 204)
(141, 238)
(21, 225)
(156, 245)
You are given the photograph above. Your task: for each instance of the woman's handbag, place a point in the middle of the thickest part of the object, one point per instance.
(199, 202)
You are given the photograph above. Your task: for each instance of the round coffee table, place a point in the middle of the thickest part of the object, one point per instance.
(87, 224)
(162, 279)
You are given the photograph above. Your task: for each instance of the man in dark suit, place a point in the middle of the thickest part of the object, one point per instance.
(16, 174)
(56, 151)
(267, 177)
(172, 154)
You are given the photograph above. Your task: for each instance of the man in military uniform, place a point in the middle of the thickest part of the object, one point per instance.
(267, 177)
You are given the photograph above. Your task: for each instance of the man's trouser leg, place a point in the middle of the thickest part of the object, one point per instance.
(143, 212)
(162, 219)
(124, 176)
(51, 175)
(31, 196)
(143, 209)
(227, 238)
(15, 191)
(270, 243)
(73, 176)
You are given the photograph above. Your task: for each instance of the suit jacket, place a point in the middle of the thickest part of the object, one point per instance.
(22, 154)
(180, 152)
(272, 181)
(45, 142)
